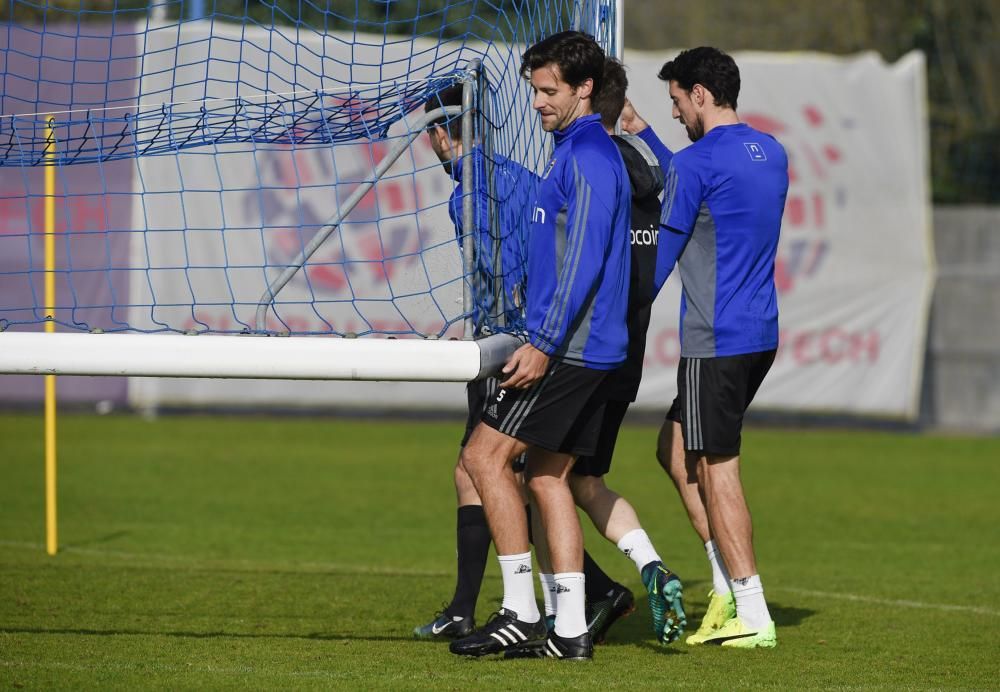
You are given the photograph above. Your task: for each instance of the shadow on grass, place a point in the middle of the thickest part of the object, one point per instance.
(315, 636)
(97, 540)
(636, 629)
(788, 616)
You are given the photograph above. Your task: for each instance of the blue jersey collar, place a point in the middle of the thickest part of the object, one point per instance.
(575, 126)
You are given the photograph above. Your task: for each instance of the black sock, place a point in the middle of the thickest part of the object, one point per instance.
(473, 542)
(596, 582)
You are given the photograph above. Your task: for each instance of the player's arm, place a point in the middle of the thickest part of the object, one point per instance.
(682, 199)
(633, 124)
(588, 189)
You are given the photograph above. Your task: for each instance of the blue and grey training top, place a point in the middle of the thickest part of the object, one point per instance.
(722, 207)
(578, 250)
(501, 250)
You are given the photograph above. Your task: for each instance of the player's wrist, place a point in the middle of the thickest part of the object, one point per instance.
(540, 344)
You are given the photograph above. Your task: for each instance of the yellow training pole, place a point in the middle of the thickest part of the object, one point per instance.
(51, 542)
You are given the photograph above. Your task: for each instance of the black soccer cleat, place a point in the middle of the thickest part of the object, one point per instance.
(502, 632)
(618, 603)
(579, 648)
(445, 626)
(567, 648)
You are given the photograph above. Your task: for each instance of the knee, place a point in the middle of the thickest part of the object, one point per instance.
(543, 484)
(472, 464)
(462, 478)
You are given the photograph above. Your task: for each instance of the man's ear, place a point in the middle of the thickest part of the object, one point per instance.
(585, 88)
(702, 96)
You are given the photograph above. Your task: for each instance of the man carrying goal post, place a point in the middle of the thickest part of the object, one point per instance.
(551, 401)
(512, 186)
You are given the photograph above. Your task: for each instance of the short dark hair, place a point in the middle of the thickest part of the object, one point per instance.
(577, 54)
(449, 96)
(710, 67)
(610, 100)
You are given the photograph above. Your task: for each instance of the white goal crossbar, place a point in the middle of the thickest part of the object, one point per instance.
(260, 357)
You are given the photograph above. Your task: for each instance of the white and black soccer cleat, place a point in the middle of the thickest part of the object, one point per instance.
(579, 648)
(503, 632)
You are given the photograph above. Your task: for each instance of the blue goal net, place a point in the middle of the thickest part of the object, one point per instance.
(263, 168)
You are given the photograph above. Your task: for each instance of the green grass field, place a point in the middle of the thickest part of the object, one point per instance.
(254, 552)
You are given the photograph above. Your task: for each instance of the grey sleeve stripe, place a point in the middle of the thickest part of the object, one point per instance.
(639, 144)
(575, 252)
(557, 310)
(557, 315)
(669, 195)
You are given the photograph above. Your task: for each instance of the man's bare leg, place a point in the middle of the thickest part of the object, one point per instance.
(548, 474)
(728, 513)
(487, 459)
(611, 513)
(683, 471)
(732, 529)
(682, 467)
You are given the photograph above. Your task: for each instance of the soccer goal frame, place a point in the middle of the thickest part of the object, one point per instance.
(264, 356)
(273, 355)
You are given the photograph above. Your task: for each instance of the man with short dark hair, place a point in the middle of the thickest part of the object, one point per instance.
(551, 403)
(725, 196)
(513, 188)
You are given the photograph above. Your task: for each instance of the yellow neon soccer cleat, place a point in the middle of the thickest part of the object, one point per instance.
(720, 610)
(737, 635)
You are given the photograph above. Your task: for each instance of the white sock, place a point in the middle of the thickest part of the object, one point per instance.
(548, 582)
(750, 605)
(518, 586)
(636, 545)
(720, 577)
(571, 620)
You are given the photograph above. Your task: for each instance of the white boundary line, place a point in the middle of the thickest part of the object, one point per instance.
(151, 559)
(858, 598)
(251, 565)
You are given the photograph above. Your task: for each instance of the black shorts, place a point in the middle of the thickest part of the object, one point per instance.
(599, 463)
(714, 394)
(478, 392)
(561, 413)
(674, 412)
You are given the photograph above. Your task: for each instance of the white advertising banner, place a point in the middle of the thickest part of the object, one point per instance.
(854, 270)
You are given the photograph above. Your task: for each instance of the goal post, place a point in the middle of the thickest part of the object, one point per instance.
(242, 199)
(291, 358)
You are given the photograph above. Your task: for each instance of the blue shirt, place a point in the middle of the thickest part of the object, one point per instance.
(578, 250)
(513, 187)
(722, 207)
